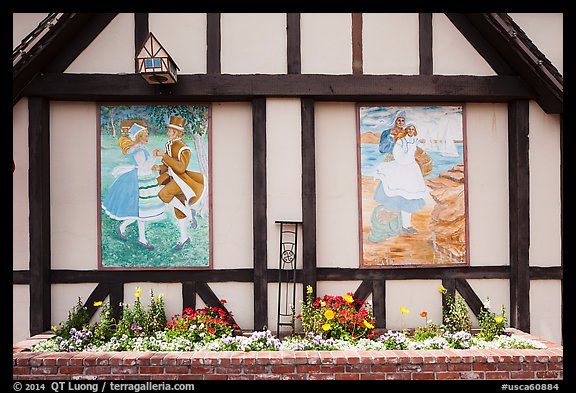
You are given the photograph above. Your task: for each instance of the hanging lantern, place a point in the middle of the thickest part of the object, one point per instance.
(154, 63)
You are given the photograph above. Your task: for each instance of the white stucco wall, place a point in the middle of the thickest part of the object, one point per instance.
(390, 43)
(255, 43)
(326, 43)
(112, 51)
(452, 54)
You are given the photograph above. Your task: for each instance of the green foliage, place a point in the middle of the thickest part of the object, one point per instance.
(430, 330)
(78, 319)
(136, 321)
(491, 325)
(456, 316)
(104, 330)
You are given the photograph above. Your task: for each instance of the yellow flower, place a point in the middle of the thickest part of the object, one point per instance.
(404, 310)
(348, 298)
(326, 327)
(55, 328)
(441, 289)
(329, 314)
(323, 303)
(97, 304)
(499, 319)
(368, 324)
(309, 289)
(138, 292)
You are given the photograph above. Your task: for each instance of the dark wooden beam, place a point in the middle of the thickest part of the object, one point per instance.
(469, 296)
(478, 40)
(141, 31)
(116, 299)
(259, 219)
(98, 295)
(357, 57)
(213, 44)
(425, 43)
(379, 302)
(189, 294)
(519, 213)
(58, 48)
(39, 218)
(308, 195)
(209, 297)
(450, 285)
(409, 88)
(293, 45)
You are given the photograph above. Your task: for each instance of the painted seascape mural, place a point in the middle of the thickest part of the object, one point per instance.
(154, 193)
(412, 189)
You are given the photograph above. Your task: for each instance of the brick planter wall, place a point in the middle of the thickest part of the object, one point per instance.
(291, 365)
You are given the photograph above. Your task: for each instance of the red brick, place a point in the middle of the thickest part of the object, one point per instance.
(398, 376)
(347, 376)
(522, 374)
(255, 369)
(282, 369)
(497, 375)
(308, 368)
(201, 370)
(448, 375)
(97, 370)
(369, 377)
(549, 374)
(419, 376)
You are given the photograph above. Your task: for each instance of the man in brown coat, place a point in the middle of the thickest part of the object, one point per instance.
(182, 188)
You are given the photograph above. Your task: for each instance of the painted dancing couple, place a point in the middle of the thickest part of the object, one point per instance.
(139, 195)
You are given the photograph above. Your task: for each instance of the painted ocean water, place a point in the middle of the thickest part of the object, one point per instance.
(371, 158)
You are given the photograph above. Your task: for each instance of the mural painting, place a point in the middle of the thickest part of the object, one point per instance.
(154, 186)
(412, 188)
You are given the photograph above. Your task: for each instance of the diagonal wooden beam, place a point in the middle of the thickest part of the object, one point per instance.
(209, 297)
(469, 296)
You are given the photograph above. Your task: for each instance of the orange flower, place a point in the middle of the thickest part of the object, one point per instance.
(423, 314)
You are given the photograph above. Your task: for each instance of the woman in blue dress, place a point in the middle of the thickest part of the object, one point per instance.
(133, 196)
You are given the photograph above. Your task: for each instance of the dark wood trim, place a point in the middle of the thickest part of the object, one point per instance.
(562, 218)
(469, 296)
(364, 290)
(39, 218)
(59, 48)
(210, 299)
(379, 302)
(309, 270)
(22, 277)
(519, 213)
(293, 45)
(189, 294)
(213, 44)
(480, 43)
(141, 31)
(226, 87)
(116, 299)
(98, 295)
(357, 45)
(426, 65)
(259, 218)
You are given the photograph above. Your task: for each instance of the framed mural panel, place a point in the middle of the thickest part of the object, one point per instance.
(412, 185)
(154, 186)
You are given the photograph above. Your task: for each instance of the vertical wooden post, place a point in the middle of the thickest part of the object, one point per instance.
(308, 196)
(39, 222)
(357, 57)
(141, 30)
(293, 43)
(519, 221)
(213, 41)
(425, 43)
(379, 302)
(260, 237)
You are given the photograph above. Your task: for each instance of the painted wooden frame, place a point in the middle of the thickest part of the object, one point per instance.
(142, 189)
(412, 189)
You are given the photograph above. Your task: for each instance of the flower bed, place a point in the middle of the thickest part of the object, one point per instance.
(339, 342)
(355, 364)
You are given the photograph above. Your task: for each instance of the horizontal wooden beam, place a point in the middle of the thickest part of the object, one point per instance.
(22, 277)
(409, 88)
